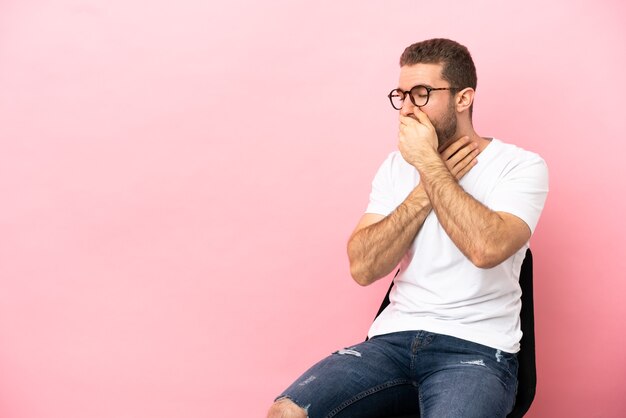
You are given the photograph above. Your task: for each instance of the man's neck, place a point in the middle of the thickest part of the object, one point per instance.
(466, 129)
(474, 137)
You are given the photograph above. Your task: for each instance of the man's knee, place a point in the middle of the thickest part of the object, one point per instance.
(285, 408)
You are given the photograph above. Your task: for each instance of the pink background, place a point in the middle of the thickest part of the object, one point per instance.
(179, 180)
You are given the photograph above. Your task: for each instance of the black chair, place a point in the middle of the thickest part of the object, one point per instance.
(527, 372)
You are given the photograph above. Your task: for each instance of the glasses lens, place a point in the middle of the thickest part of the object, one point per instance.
(397, 98)
(419, 95)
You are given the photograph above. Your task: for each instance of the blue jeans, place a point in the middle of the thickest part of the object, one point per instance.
(437, 375)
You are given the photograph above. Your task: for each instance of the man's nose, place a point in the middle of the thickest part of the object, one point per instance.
(407, 107)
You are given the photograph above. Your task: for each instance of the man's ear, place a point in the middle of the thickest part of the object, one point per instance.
(464, 99)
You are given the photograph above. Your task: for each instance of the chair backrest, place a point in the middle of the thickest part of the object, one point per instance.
(527, 371)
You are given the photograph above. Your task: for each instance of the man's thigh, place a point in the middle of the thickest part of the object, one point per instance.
(371, 379)
(465, 379)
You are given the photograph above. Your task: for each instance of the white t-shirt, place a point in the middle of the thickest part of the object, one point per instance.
(438, 289)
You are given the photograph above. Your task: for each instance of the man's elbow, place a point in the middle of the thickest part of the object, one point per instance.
(359, 269)
(484, 263)
(360, 275)
(486, 258)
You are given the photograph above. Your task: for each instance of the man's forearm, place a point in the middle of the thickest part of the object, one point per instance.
(474, 228)
(485, 237)
(375, 250)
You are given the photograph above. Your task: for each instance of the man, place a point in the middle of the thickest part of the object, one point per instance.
(455, 211)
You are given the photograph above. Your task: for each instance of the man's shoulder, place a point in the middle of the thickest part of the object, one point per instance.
(515, 153)
(507, 147)
(512, 161)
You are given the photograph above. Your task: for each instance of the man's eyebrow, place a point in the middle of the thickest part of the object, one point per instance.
(418, 84)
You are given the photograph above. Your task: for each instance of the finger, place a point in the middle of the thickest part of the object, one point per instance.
(464, 156)
(465, 164)
(407, 120)
(401, 135)
(465, 169)
(422, 117)
(461, 154)
(452, 148)
(467, 159)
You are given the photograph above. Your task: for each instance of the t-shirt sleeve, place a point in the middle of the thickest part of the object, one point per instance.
(522, 191)
(381, 197)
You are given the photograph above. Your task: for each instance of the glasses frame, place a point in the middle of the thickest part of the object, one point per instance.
(408, 92)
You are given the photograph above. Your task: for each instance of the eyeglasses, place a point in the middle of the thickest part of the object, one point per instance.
(419, 95)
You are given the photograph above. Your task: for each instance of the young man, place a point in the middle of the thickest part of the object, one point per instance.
(455, 211)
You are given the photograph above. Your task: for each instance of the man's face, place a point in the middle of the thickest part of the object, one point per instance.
(440, 107)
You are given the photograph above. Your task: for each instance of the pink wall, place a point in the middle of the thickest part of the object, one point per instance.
(179, 180)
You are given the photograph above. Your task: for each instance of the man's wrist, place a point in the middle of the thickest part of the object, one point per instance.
(433, 172)
(417, 200)
(429, 160)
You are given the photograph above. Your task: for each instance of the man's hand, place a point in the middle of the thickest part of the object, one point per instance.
(417, 139)
(460, 156)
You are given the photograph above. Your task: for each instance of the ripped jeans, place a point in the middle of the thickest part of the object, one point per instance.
(437, 375)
